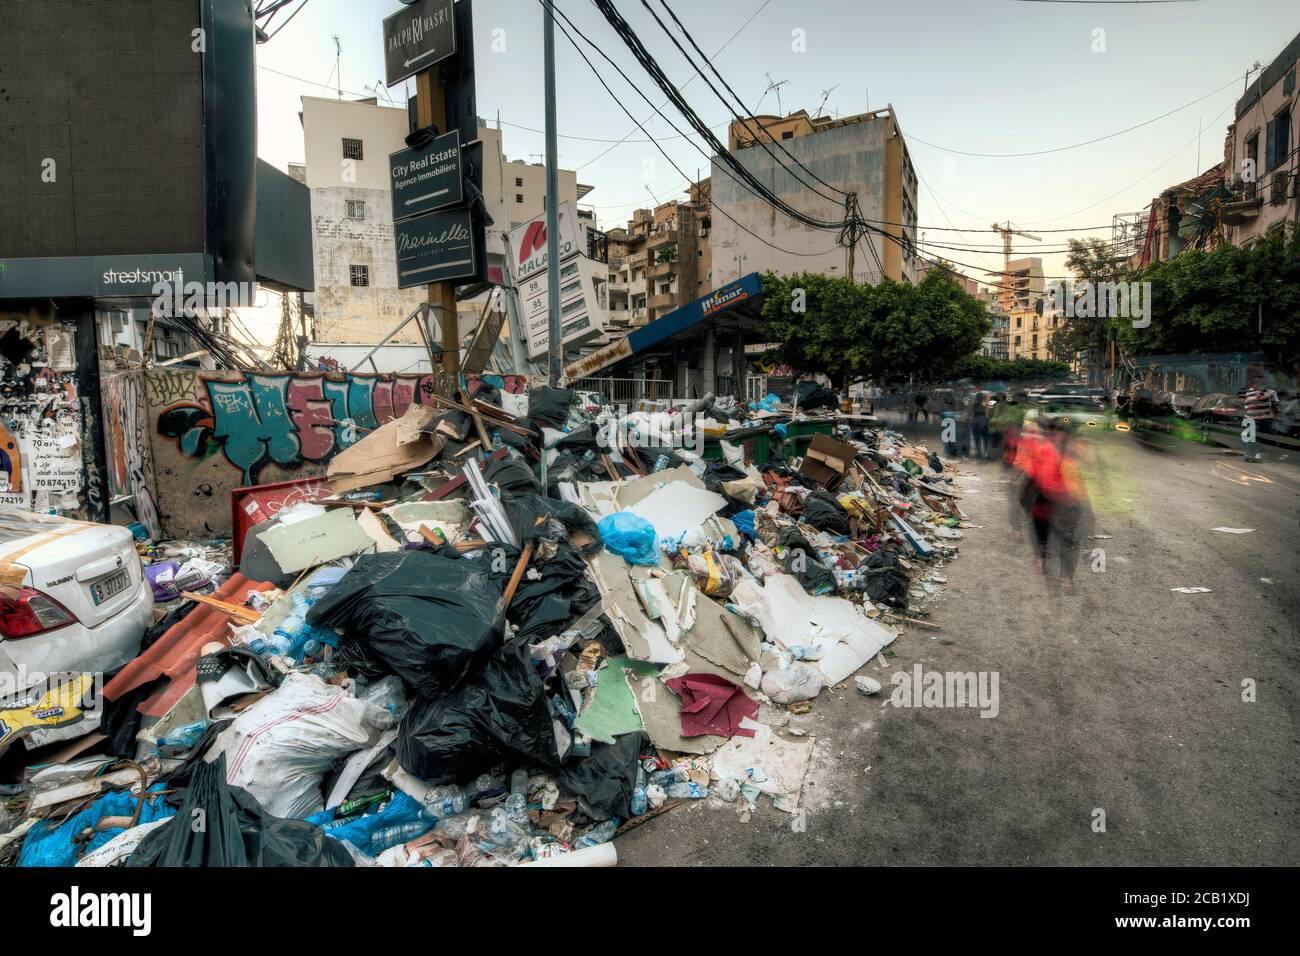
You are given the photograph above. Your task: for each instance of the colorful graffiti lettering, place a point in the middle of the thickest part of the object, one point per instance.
(287, 419)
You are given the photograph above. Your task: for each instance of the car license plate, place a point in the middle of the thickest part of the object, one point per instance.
(101, 591)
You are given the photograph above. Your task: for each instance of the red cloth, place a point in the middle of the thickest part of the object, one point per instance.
(712, 705)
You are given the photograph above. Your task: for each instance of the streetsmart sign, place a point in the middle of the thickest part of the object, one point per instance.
(417, 37)
(435, 247)
(426, 179)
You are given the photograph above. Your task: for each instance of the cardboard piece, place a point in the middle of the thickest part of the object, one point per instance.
(612, 711)
(645, 639)
(828, 461)
(303, 544)
(379, 457)
(677, 508)
(790, 616)
(661, 714)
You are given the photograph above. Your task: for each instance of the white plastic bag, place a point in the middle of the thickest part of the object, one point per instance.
(794, 683)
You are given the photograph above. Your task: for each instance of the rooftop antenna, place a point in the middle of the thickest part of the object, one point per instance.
(652, 194)
(826, 94)
(377, 88)
(338, 65)
(775, 86)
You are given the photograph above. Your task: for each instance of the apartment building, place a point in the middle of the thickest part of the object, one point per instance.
(626, 289)
(1021, 298)
(865, 154)
(1261, 153)
(347, 144)
(678, 258)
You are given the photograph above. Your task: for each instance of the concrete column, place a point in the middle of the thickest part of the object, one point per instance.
(709, 361)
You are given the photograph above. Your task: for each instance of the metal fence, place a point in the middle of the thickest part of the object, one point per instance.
(623, 391)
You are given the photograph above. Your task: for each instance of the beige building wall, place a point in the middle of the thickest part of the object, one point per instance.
(865, 154)
(1270, 200)
(352, 224)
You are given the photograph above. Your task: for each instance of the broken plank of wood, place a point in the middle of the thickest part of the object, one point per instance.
(245, 614)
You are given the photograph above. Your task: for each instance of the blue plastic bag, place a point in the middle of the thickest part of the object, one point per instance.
(744, 522)
(629, 536)
(51, 844)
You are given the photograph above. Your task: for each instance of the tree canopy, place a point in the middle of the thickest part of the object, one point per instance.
(852, 332)
(1228, 300)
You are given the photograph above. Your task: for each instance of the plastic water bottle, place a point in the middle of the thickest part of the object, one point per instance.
(640, 802)
(446, 801)
(185, 736)
(600, 833)
(662, 778)
(660, 464)
(686, 791)
(387, 837)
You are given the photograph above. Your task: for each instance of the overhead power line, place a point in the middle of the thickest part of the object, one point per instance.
(1086, 142)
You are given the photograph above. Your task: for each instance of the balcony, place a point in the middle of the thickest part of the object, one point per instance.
(665, 237)
(663, 300)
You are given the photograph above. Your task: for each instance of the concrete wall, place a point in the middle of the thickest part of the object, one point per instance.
(42, 420)
(850, 157)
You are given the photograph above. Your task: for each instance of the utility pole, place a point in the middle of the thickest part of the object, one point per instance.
(555, 346)
(431, 110)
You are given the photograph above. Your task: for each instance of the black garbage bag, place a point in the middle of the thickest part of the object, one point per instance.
(811, 395)
(603, 782)
(824, 513)
(573, 468)
(523, 510)
(500, 713)
(803, 561)
(548, 406)
(887, 582)
(235, 831)
(512, 476)
(432, 620)
(581, 440)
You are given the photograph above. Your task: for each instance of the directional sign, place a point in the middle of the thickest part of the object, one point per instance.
(426, 179)
(417, 37)
(435, 247)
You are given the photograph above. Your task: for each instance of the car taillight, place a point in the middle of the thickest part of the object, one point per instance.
(29, 613)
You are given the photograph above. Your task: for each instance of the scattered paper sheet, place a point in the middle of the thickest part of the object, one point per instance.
(769, 763)
(1191, 590)
(1235, 530)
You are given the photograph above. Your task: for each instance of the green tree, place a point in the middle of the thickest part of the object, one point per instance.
(1091, 260)
(851, 332)
(1228, 300)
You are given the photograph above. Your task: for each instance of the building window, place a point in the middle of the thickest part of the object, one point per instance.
(1279, 139)
(788, 134)
(1034, 343)
(1018, 321)
(355, 209)
(519, 197)
(519, 183)
(351, 148)
(359, 275)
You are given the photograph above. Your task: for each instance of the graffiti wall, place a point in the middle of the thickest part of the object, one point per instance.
(40, 418)
(128, 446)
(212, 432)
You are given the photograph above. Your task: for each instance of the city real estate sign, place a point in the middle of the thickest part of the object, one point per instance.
(427, 178)
(417, 37)
(435, 247)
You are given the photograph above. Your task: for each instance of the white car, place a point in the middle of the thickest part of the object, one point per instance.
(73, 600)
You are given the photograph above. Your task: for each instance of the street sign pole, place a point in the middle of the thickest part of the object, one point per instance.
(556, 346)
(431, 110)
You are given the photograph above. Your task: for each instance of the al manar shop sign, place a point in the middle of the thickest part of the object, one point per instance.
(528, 242)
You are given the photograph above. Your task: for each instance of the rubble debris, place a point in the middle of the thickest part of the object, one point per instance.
(487, 639)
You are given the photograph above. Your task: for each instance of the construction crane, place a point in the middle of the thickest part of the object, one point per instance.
(1005, 296)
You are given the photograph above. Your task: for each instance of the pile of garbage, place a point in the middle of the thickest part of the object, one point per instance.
(502, 637)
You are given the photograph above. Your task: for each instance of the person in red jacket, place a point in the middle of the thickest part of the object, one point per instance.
(1056, 498)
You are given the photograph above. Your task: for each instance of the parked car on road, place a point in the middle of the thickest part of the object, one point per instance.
(74, 600)
(1178, 403)
(1070, 395)
(1218, 407)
